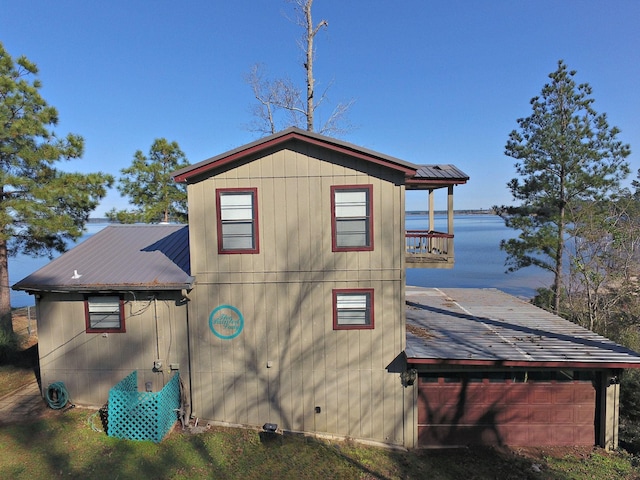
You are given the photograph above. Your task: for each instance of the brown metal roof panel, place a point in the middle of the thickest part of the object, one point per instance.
(489, 325)
(141, 256)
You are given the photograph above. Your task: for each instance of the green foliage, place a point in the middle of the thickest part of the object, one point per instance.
(8, 346)
(150, 188)
(636, 184)
(543, 299)
(629, 398)
(41, 207)
(630, 395)
(566, 154)
(600, 465)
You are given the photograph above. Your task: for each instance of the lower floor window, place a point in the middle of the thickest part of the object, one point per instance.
(353, 309)
(104, 313)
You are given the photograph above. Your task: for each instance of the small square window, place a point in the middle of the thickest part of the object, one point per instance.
(104, 313)
(351, 215)
(353, 309)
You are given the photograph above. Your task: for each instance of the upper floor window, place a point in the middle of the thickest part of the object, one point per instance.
(104, 313)
(351, 218)
(237, 219)
(352, 309)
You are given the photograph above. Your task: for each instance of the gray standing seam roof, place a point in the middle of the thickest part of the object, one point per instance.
(145, 257)
(440, 172)
(461, 326)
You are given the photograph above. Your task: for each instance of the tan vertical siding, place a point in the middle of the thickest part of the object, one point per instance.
(285, 295)
(89, 364)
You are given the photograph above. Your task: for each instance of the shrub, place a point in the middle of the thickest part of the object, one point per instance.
(8, 346)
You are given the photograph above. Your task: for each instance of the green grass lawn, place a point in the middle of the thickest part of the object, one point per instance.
(68, 445)
(12, 378)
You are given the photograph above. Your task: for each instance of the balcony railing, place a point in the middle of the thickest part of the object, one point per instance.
(429, 249)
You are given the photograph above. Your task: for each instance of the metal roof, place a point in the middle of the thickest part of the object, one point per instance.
(487, 327)
(277, 140)
(439, 175)
(142, 257)
(440, 172)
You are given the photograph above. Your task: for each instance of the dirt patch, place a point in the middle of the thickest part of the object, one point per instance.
(540, 453)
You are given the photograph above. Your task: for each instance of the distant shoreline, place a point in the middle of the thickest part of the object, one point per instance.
(482, 211)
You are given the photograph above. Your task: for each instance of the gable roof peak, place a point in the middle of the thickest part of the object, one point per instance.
(293, 134)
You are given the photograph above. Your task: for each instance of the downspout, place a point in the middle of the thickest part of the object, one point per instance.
(160, 368)
(189, 357)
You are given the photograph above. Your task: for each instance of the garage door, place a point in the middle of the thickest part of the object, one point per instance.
(506, 408)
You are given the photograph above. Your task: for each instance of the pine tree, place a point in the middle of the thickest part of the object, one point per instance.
(41, 207)
(150, 188)
(566, 154)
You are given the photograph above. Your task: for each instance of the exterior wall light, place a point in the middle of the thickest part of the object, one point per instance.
(409, 376)
(270, 427)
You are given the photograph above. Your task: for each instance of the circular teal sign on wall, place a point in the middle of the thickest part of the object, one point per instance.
(226, 322)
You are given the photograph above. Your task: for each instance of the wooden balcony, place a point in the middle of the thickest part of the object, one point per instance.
(429, 249)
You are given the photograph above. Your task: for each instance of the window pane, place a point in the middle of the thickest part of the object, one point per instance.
(352, 317)
(236, 206)
(237, 235)
(353, 309)
(352, 233)
(104, 312)
(352, 301)
(351, 204)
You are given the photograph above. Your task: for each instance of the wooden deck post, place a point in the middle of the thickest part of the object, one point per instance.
(431, 211)
(450, 219)
(609, 411)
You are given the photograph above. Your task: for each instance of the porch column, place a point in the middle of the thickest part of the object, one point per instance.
(610, 409)
(450, 218)
(431, 211)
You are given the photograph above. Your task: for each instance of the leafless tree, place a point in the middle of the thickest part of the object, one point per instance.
(281, 103)
(602, 289)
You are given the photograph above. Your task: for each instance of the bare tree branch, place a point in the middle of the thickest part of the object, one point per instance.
(282, 99)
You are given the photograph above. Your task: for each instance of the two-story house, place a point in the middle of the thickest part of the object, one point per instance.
(284, 302)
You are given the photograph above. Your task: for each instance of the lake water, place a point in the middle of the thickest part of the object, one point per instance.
(479, 260)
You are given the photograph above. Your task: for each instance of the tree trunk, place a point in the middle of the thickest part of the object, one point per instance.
(309, 64)
(557, 279)
(311, 33)
(5, 294)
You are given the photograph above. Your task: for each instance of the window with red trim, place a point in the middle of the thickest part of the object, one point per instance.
(351, 218)
(353, 309)
(237, 219)
(104, 314)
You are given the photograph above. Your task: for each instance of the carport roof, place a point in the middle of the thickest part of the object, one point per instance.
(119, 257)
(487, 327)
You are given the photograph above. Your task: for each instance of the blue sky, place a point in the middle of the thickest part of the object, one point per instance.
(433, 82)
